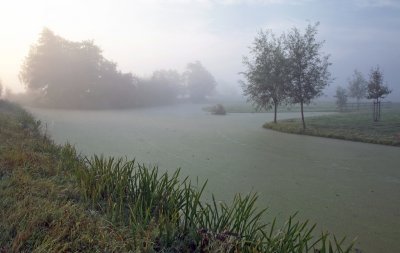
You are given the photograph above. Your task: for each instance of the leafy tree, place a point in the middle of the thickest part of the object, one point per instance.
(357, 87)
(266, 75)
(307, 66)
(200, 83)
(169, 83)
(376, 89)
(162, 88)
(70, 74)
(341, 98)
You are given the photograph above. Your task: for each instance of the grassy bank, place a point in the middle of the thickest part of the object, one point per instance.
(243, 107)
(41, 209)
(55, 200)
(318, 106)
(356, 126)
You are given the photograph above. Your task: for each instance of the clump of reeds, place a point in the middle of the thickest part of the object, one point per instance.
(165, 212)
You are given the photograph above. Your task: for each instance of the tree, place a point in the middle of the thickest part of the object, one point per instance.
(357, 87)
(376, 89)
(307, 66)
(266, 75)
(69, 74)
(168, 83)
(341, 98)
(162, 88)
(1, 88)
(200, 83)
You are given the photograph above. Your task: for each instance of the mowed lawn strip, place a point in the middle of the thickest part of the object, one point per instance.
(354, 126)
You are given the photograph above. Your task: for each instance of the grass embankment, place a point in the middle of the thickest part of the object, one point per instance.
(355, 126)
(242, 107)
(41, 208)
(54, 200)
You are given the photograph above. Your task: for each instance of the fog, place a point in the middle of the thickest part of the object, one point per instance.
(145, 36)
(138, 79)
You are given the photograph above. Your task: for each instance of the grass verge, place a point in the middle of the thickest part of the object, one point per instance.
(55, 200)
(356, 126)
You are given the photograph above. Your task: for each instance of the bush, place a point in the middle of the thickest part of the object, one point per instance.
(218, 109)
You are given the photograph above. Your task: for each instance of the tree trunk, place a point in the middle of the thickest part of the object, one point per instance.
(358, 104)
(275, 109)
(302, 115)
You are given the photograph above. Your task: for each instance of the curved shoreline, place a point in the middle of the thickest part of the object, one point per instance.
(344, 126)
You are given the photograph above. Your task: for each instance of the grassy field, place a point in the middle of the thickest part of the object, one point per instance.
(243, 107)
(55, 200)
(315, 106)
(354, 126)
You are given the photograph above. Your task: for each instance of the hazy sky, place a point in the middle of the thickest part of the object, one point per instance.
(145, 35)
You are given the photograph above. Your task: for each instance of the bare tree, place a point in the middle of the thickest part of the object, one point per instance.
(357, 87)
(308, 67)
(266, 76)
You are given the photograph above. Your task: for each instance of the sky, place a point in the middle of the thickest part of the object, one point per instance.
(145, 35)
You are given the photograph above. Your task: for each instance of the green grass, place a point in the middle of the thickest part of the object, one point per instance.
(317, 106)
(52, 199)
(40, 208)
(355, 126)
(243, 107)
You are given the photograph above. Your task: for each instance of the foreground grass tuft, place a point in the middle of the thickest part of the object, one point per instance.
(55, 200)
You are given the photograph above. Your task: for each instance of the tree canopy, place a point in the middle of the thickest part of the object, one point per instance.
(341, 98)
(266, 74)
(162, 88)
(74, 74)
(291, 68)
(357, 87)
(199, 82)
(59, 73)
(376, 89)
(307, 65)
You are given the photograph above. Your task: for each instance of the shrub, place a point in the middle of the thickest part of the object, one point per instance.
(218, 109)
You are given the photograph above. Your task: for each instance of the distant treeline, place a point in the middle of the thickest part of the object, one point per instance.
(59, 73)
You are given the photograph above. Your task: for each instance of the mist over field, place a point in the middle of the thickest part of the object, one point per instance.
(298, 101)
(144, 36)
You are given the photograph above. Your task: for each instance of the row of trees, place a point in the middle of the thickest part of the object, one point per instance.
(359, 88)
(65, 74)
(287, 69)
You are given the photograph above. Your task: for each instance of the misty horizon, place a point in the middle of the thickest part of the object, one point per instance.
(144, 36)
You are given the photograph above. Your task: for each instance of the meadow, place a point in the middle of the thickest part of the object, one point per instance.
(351, 125)
(348, 188)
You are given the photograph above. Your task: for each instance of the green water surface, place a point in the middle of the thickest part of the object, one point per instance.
(348, 188)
